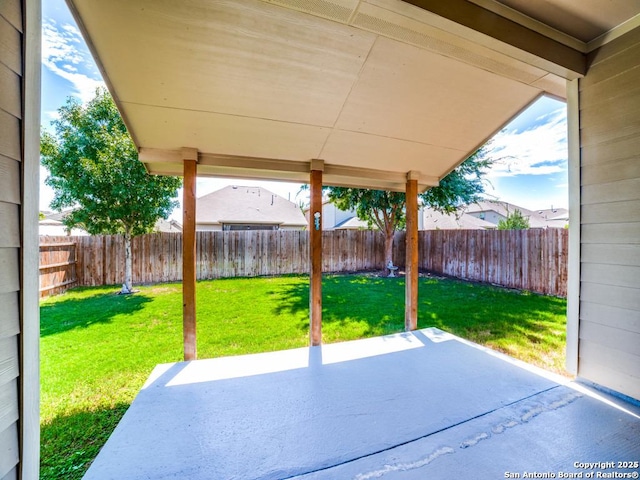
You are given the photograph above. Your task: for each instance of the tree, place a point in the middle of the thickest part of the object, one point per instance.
(514, 221)
(379, 208)
(95, 171)
(386, 210)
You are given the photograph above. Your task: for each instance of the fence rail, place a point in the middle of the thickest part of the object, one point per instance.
(529, 259)
(57, 266)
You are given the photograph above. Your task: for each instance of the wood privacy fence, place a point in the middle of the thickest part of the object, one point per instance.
(529, 259)
(534, 259)
(57, 265)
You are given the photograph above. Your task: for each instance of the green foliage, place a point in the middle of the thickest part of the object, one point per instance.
(94, 170)
(462, 186)
(98, 348)
(386, 210)
(377, 207)
(514, 221)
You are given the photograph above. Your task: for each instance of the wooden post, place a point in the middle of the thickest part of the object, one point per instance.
(315, 254)
(411, 263)
(190, 158)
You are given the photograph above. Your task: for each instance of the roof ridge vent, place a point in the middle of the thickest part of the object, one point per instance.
(337, 10)
(393, 25)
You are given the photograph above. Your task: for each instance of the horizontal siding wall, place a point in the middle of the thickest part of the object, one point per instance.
(609, 345)
(10, 195)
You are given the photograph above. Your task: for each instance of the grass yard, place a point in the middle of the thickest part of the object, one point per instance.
(98, 348)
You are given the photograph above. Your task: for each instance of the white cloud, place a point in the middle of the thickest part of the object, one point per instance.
(540, 150)
(73, 32)
(63, 57)
(51, 114)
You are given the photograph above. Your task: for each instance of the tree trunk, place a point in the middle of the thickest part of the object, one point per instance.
(127, 286)
(388, 250)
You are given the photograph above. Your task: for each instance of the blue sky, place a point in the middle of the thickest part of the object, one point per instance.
(531, 152)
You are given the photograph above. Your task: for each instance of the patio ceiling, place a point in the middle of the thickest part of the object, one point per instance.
(375, 88)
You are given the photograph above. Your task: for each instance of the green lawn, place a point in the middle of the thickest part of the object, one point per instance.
(97, 348)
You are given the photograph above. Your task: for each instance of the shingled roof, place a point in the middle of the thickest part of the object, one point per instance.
(434, 220)
(505, 209)
(248, 205)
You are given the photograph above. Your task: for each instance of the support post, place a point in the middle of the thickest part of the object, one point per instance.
(315, 253)
(190, 160)
(411, 263)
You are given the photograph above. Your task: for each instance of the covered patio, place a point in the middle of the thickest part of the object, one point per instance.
(390, 95)
(423, 404)
(370, 94)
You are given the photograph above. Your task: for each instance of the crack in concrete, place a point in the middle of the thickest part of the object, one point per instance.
(470, 442)
(474, 440)
(403, 467)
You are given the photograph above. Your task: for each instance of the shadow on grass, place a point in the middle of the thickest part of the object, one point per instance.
(478, 312)
(70, 443)
(376, 301)
(76, 310)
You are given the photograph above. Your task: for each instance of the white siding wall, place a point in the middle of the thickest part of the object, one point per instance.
(609, 330)
(341, 215)
(19, 159)
(10, 196)
(328, 216)
(490, 216)
(332, 216)
(207, 227)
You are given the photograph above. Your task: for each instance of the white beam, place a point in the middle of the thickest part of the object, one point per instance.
(573, 263)
(29, 291)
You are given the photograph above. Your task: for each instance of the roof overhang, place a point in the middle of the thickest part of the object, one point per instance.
(374, 88)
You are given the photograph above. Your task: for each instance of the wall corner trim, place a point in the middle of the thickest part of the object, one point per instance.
(573, 264)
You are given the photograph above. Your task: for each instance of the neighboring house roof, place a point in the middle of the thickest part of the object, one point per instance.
(554, 213)
(505, 209)
(52, 225)
(464, 218)
(353, 223)
(54, 216)
(555, 217)
(167, 226)
(248, 205)
(434, 220)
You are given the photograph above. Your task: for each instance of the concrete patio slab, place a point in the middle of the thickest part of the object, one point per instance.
(417, 405)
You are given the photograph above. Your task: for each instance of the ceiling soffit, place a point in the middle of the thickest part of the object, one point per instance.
(378, 88)
(456, 28)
